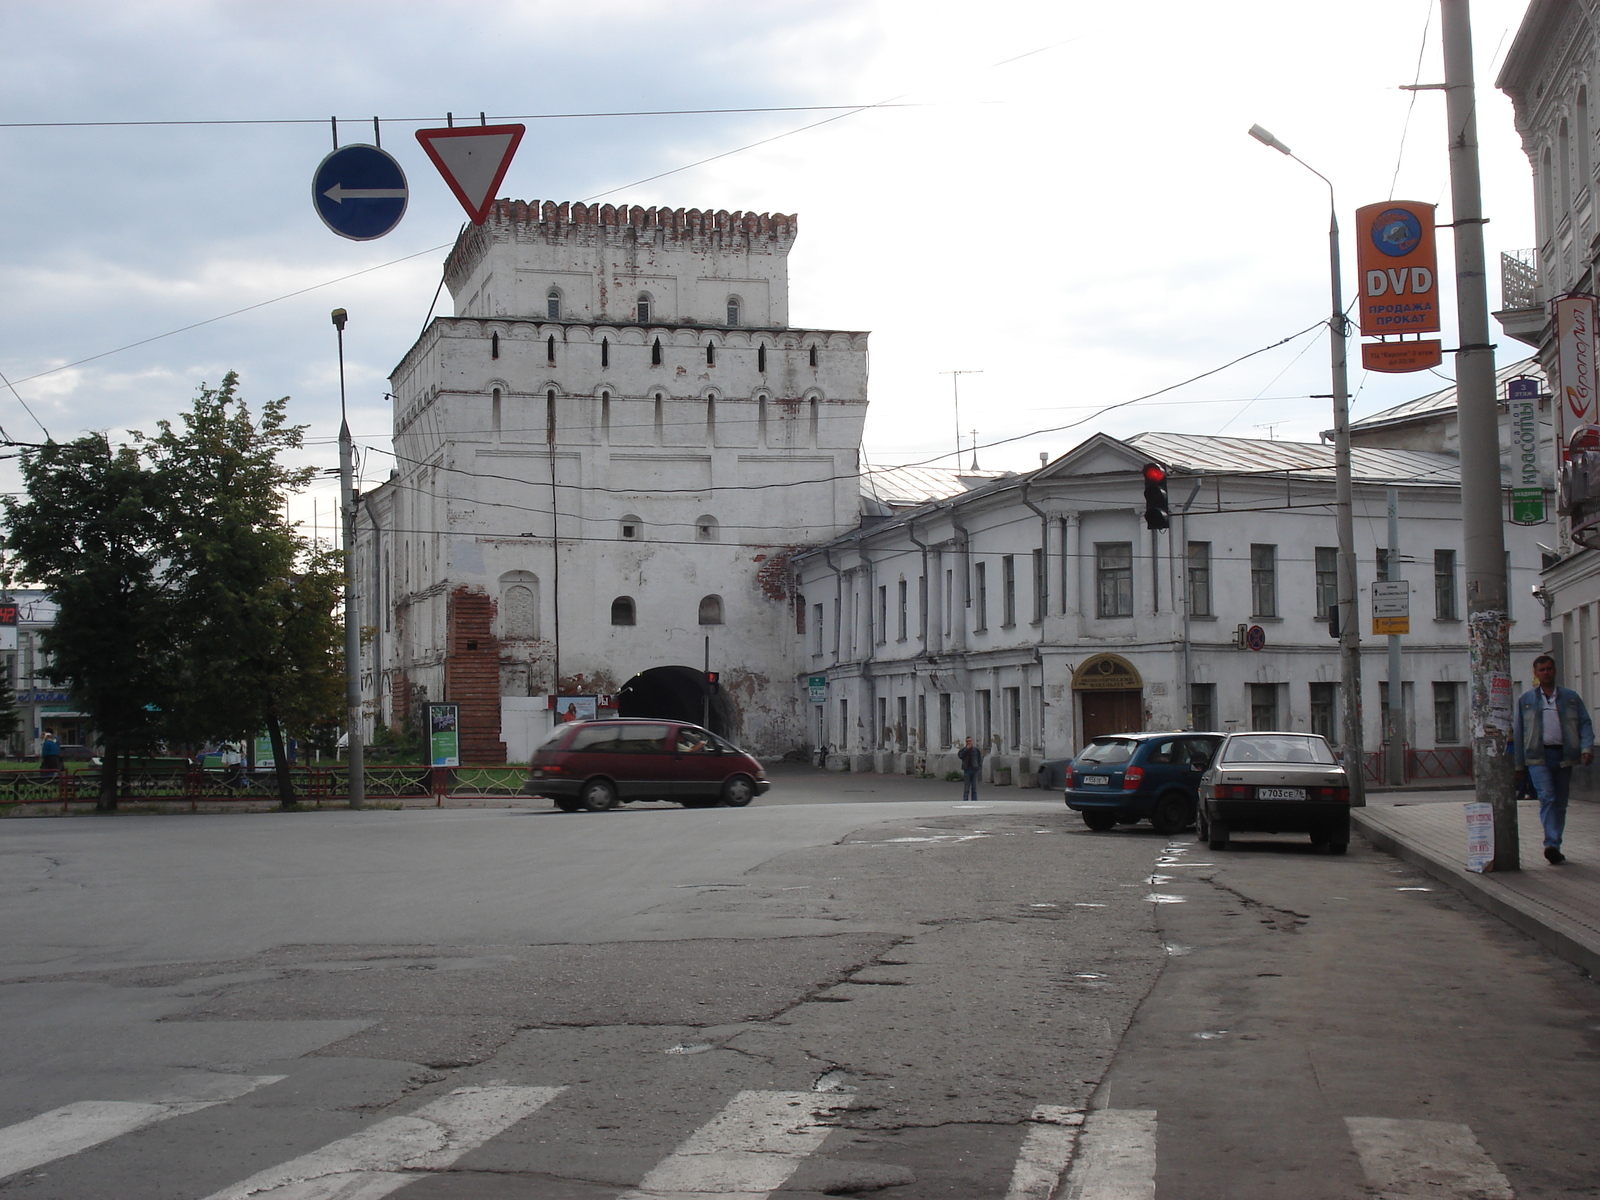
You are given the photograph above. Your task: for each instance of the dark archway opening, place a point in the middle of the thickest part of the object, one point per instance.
(678, 694)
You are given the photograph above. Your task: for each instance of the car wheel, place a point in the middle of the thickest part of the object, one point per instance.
(1216, 834)
(597, 796)
(738, 791)
(1171, 813)
(1100, 821)
(566, 805)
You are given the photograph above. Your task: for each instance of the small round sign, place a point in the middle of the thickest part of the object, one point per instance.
(360, 192)
(1255, 638)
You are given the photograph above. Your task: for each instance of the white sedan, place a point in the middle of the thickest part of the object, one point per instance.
(1276, 783)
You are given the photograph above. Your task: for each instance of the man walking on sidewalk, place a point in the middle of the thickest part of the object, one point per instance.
(1551, 733)
(971, 763)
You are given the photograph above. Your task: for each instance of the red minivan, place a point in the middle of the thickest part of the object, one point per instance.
(595, 765)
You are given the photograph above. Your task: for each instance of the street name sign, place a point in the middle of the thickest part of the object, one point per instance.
(817, 685)
(360, 192)
(1391, 607)
(473, 160)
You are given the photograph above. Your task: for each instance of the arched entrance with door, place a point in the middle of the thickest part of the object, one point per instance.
(678, 694)
(1110, 696)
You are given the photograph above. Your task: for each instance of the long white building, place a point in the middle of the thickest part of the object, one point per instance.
(606, 456)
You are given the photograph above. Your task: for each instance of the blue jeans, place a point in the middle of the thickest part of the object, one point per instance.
(1552, 781)
(969, 784)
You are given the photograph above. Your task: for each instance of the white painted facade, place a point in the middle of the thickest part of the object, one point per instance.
(605, 458)
(1003, 613)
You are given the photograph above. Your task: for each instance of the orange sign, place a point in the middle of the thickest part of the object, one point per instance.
(1399, 269)
(1399, 357)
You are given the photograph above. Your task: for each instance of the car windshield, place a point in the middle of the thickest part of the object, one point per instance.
(1108, 751)
(1278, 748)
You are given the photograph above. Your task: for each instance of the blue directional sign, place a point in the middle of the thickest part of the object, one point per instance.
(360, 192)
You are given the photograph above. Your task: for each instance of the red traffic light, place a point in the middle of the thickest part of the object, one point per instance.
(1154, 473)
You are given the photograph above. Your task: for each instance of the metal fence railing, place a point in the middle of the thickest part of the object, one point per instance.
(1443, 762)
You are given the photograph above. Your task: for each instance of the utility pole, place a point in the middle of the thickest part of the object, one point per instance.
(352, 625)
(1482, 506)
(955, 393)
(1397, 687)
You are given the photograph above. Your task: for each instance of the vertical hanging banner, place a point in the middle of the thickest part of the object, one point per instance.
(1399, 265)
(473, 160)
(444, 735)
(1527, 474)
(1577, 417)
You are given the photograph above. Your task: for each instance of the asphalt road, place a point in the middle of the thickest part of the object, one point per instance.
(855, 986)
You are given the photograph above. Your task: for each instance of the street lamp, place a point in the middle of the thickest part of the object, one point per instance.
(352, 626)
(1349, 615)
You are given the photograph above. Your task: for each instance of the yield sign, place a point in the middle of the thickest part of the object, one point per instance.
(473, 160)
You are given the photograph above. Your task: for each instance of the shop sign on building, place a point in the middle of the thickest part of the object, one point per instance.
(1527, 479)
(1576, 411)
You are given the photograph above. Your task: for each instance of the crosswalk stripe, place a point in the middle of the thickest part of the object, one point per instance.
(385, 1156)
(73, 1128)
(1116, 1157)
(748, 1149)
(1046, 1152)
(1425, 1160)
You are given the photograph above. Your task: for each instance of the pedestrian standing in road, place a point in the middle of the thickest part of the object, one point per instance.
(971, 763)
(1551, 734)
(50, 755)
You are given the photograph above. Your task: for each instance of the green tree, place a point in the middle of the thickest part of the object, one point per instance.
(90, 530)
(256, 605)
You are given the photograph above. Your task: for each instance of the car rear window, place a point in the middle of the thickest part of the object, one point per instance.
(642, 739)
(1278, 748)
(1111, 750)
(596, 739)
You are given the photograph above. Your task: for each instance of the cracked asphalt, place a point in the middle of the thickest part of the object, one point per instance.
(939, 968)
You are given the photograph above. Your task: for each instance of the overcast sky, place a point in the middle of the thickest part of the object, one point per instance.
(1083, 225)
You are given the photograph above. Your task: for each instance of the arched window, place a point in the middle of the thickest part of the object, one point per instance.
(1564, 165)
(552, 304)
(761, 357)
(630, 528)
(711, 354)
(1585, 164)
(655, 353)
(706, 529)
(711, 610)
(550, 349)
(813, 356)
(494, 411)
(519, 606)
(605, 352)
(733, 310)
(643, 308)
(622, 611)
(494, 345)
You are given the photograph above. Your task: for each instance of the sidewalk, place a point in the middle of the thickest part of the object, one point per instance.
(1557, 906)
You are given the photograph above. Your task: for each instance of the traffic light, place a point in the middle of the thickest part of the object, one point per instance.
(1155, 496)
(712, 677)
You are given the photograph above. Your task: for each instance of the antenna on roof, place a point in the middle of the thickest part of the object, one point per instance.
(1269, 427)
(975, 450)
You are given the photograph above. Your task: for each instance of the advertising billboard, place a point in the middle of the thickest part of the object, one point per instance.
(1399, 267)
(1576, 413)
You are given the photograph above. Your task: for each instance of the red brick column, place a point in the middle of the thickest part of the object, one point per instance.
(472, 676)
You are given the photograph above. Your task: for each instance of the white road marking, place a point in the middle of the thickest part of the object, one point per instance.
(76, 1127)
(388, 1155)
(1046, 1152)
(1116, 1157)
(748, 1149)
(1425, 1160)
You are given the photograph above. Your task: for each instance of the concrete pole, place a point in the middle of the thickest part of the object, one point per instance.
(1397, 687)
(352, 623)
(1482, 506)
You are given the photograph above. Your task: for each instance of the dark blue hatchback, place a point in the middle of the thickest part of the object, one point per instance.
(1132, 777)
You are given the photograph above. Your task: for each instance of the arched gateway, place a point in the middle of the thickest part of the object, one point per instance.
(678, 694)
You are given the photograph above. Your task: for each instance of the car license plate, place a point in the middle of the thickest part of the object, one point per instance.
(1265, 793)
(1096, 780)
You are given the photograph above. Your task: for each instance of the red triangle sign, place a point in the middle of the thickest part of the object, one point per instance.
(473, 160)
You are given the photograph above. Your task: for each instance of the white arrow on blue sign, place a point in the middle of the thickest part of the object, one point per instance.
(360, 192)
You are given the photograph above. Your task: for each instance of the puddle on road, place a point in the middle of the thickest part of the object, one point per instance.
(1166, 898)
(1087, 904)
(836, 1080)
(1413, 889)
(697, 1048)
(1175, 950)
(1090, 975)
(1044, 906)
(1210, 1035)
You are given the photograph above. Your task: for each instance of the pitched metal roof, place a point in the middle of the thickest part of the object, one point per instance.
(1445, 398)
(902, 487)
(1309, 460)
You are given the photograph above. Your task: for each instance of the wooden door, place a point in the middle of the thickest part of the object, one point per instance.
(1111, 712)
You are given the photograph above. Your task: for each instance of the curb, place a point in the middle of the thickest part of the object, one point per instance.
(1555, 933)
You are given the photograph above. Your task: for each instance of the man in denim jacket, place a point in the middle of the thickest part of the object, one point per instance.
(1551, 733)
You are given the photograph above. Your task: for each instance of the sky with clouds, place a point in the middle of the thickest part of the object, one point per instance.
(1058, 195)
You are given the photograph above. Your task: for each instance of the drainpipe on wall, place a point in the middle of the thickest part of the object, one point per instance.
(377, 617)
(922, 622)
(1182, 589)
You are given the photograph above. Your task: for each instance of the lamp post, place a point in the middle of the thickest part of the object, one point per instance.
(1349, 610)
(352, 626)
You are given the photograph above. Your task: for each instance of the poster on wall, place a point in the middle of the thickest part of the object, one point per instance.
(575, 708)
(444, 735)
